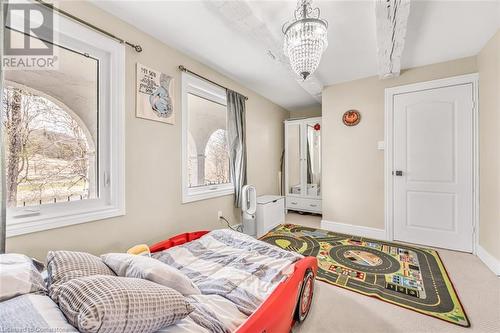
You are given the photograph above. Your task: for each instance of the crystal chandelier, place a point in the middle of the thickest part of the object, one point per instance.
(305, 39)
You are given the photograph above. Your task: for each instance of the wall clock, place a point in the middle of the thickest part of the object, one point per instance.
(351, 118)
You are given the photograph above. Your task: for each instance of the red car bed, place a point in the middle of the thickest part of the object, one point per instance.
(289, 302)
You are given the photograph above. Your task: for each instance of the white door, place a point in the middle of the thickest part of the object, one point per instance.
(433, 167)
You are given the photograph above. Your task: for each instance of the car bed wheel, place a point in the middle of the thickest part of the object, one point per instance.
(305, 298)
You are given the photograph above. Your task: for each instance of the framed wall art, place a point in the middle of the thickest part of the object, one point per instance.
(155, 99)
(351, 118)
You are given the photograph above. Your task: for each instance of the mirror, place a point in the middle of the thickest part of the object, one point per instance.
(293, 159)
(313, 160)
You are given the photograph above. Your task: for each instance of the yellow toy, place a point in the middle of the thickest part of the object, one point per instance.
(140, 250)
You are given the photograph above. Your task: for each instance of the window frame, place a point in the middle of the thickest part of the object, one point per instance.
(110, 146)
(201, 88)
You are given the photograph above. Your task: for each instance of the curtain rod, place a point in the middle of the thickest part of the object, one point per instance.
(136, 47)
(184, 69)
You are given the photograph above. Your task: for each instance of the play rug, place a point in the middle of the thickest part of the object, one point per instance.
(411, 277)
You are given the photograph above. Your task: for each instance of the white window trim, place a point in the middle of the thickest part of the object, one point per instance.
(202, 88)
(111, 177)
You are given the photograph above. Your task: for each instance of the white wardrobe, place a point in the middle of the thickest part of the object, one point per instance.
(303, 165)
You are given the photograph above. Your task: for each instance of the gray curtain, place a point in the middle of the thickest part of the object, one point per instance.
(2, 169)
(236, 139)
(309, 160)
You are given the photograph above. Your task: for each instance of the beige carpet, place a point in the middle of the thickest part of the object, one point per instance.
(339, 310)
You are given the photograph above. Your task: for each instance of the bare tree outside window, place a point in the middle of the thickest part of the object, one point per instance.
(217, 159)
(48, 155)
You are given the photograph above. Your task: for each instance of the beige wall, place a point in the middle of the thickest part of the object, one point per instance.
(308, 112)
(489, 120)
(153, 171)
(353, 168)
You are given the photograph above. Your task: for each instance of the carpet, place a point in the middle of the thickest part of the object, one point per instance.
(411, 277)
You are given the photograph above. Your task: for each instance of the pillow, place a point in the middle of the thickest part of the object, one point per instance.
(129, 265)
(115, 304)
(63, 266)
(18, 276)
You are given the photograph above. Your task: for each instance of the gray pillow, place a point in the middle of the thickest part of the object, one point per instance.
(62, 266)
(142, 267)
(115, 304)
(19, 276)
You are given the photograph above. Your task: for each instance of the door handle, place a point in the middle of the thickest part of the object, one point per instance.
(397, 173)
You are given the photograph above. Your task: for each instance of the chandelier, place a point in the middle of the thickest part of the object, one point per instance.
(305, 39)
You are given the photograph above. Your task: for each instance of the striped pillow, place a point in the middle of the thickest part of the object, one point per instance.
(62, 266)
(115, 304)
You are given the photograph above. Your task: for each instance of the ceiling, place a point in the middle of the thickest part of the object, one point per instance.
(437, 31)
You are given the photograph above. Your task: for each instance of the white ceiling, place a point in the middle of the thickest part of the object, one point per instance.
(437, 31)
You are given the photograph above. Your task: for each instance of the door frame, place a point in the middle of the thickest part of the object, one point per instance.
(389, 147)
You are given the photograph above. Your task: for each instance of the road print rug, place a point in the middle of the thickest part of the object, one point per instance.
(411, 277)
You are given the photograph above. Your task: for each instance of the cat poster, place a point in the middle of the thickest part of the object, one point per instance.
(155, 100)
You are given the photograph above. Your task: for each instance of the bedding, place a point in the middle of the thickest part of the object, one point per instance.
(212, 314)
(19, 276)
(234, 272)
(101, 303)
(32, 313)
(232, 265)
(143, 267)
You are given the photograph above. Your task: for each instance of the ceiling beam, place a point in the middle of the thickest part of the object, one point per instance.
(391, 21)
(242, 18)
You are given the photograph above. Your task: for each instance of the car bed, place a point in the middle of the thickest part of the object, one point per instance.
(246, 286)
(284, 301)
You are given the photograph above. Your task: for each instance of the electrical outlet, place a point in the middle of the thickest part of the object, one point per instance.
(219, 215)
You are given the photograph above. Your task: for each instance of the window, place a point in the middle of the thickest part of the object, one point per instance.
(51, 147)
(205, 149)
(63, 134)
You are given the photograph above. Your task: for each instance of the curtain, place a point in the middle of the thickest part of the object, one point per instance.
(236, 139)
(309, 163)
(2, 169)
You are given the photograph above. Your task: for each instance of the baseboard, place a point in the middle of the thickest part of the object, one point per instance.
(489, 260)
(355, 230)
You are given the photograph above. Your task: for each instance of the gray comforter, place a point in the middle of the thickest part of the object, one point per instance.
(232, 265)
